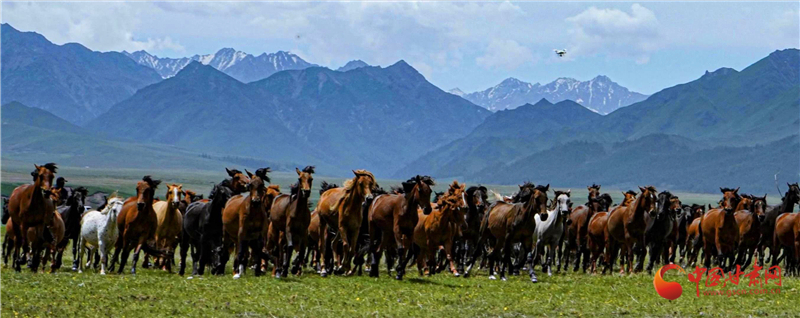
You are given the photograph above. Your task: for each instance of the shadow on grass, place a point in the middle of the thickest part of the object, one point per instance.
(423, 281)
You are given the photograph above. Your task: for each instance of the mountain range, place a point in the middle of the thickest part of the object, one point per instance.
(71, 105)
(599, 94)
(710, 123)
(316, 114)
(70, 81)
(239, 65)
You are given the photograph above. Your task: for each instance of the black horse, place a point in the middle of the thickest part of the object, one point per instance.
(202, 230)
(72, 212)
(659, 227)
(476, 198)
(790, 198)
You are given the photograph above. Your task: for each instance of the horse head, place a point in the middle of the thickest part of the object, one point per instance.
(628, 197)
(477, 197)
(524, 194)
(760, 207)
(792, 194)
(420, 187)
(730, 199)
(563, 202)
(304, 181)
(78, 198)
(538, 200)
(114, 206)
(257, 185)
(594, 190)
(238, 181)
(697, 210)
(43, 175)
(648, 200)
(174, 192)
(145, 191)
(363, 182)
(605, 202)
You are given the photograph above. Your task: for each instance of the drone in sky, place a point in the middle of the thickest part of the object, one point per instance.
(560, 53)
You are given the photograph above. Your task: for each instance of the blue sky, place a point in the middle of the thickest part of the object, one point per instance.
(471, 45)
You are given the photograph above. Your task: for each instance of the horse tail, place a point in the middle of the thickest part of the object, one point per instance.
(154, 251)
(698, 239)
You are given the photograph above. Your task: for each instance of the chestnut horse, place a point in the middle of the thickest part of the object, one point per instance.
(436, 229)
(245, 222)
(507, 224)
(290, 217)
(30, 207)
(170, 223)
(596, 238)
(341, 207)
(626, 228)
(719, 231)
(392, 219)
(787, 237)
(576, 231)
(137, 224)
(749, 216)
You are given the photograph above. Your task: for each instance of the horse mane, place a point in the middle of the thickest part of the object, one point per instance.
(559, 192)
(471, 190)
(50, 166)
(606, 197)
(631, 192)
(437, 196)
(426, 179)
(81, 190)
(595, 186)
(293, 191)
(350, 183)
(308, 169)
(543, 188)
(150, 182)
(262, 173)
(325, 186)
(378, 191)
(397, 190)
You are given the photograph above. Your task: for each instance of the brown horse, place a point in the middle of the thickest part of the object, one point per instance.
(341, 207)
(749, 216)
(596, 237)
(577, 228)
(30, 207)
(626, 229)
(245, 222)
(290, 217)
(437, 229)
(787, 237)
(508, 224)
(719, 231)
(55, 233)
(137, 224)
(170, 223)
(392, 219)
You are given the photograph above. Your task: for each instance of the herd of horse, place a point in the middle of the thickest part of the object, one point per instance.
(451, 231)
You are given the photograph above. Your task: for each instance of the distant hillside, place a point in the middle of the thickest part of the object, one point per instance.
(372, 117)
(68, 80)
(354, 64)
(239, 65)
(722, 115)
(599, 94)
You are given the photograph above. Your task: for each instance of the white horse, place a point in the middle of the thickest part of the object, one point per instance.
(99, 231)
(548, 232)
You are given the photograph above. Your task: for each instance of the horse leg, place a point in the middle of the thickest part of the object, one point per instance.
(375, 242)
(655, 253)
(297, 269)
(241, 254)
(288, 248)
(322, 247)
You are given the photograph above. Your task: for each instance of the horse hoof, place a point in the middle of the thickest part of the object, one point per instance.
(323, 274)
(398, 277)
(236, 276)
(190, 277)
(503, 278)
(534, 280)
(456, 274)
(466, 274)
(491, 277)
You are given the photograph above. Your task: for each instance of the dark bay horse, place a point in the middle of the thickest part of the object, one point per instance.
(30, 207)
(71, 212)
(392, 219)
(626, 228)
(719, 231)
(749, 216)
(290, 217)
(137, 224)
(507, 224)
(575, 234)
(789, 199)
(202, 231)
(688, 229)
(245, 221)
(660, 226)
(476, 201)
(342, 207)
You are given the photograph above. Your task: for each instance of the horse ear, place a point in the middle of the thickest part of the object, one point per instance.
(721, 190)
(589, 188)
(547, 187)
(641, 189)
(248, 173)
(736, 191)
(355, 173)
(297, 170)
(569, 191)
(230, 173)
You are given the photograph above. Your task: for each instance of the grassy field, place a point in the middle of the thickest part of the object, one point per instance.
(159, 294)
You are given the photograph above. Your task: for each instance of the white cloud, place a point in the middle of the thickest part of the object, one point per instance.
(506, 54)
(615, 32)
(99, 26)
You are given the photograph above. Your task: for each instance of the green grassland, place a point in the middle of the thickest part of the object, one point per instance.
(154, 293)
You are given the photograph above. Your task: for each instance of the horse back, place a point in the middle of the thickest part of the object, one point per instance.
(784, 229)
(327, 207)
(278, 210)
